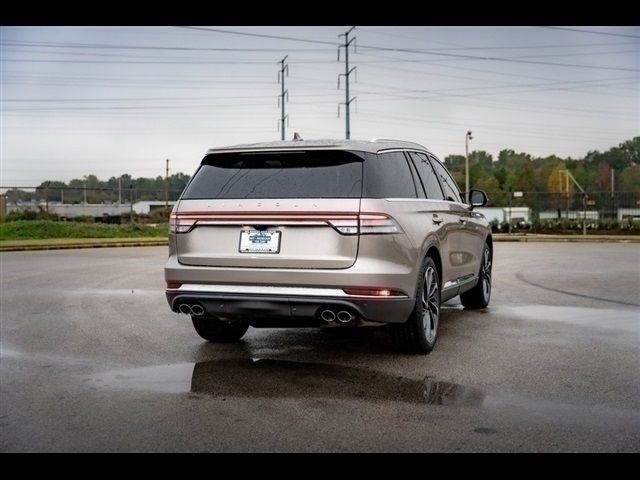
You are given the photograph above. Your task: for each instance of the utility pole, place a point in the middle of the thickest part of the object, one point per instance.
(46, 197)
(346, 74)
(166, 193)
(281, 98)
(613, 199)
(612, 181)
(468, 137)
(510, 200)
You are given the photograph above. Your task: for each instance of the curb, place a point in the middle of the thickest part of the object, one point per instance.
(69, 246)
(566, 239)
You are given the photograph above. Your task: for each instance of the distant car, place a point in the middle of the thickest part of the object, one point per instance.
(312, 233)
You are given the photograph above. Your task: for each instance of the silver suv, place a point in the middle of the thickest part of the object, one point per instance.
(312, 233)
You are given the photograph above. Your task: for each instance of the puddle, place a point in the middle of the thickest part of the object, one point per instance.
(265, 378)
(612, 319)
(38, 357)
(172, 378)
(226, 379)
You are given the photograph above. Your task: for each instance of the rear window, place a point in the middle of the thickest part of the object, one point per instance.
(324, 174)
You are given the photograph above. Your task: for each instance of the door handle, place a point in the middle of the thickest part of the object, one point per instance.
(462, 220)
(437, 220)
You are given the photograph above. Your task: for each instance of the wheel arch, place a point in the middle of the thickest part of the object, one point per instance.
(489, 241)
(434, 254)
(431, 248)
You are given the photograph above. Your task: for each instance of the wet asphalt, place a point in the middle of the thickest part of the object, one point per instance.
(93, 360)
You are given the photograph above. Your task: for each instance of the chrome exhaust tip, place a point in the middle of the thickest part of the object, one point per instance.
(197, 310)
(344, 316)
(185, 308)
(328, 316)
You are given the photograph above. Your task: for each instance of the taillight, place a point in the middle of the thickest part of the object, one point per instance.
(180, 225)
(366, 224)
(345, 226)
(378, 223)
(373, 292)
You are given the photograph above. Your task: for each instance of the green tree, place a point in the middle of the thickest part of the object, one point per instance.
(629, 179)
(501, 176)
(489, 184)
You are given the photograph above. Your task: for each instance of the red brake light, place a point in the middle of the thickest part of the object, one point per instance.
(373, 292)
(378, 223)
(366, 224)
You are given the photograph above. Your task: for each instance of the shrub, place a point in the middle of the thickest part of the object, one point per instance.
(35, 229)
(30, 215)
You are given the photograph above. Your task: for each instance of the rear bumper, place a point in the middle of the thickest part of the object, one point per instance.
(262, 308)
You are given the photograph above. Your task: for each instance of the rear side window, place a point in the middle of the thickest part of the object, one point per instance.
(451, 191)
(427, 176)
(326, 174)
(387, 175)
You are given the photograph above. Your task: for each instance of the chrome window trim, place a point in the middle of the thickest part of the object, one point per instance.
(416, 200)
(390, 150)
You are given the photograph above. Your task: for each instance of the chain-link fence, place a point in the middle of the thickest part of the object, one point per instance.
(533, 211)
(111, 205)
(541, 211)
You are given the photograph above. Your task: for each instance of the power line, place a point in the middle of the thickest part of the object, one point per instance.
(161, 62)
(137, 99)
(430, 52)
(501, 47)
(158, 47)
(431, 72)
(592, 31)
(312, 50)
(261, 35)
(497, 59)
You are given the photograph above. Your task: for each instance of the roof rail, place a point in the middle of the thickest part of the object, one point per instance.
(404, 142)
(385, 140)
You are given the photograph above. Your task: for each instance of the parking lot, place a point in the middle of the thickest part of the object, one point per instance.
(92, 359)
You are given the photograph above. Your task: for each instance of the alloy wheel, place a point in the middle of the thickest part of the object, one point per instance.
(430, 304)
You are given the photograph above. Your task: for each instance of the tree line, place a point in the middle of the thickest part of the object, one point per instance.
(517, 171)
(510, 171)
(124, 188)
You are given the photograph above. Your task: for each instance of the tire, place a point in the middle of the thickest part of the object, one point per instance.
(219, 331)
(420, 332)
(479, 296)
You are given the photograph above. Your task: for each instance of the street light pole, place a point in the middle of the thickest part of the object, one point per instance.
(166, 193)
(131, 203)
(467, 137)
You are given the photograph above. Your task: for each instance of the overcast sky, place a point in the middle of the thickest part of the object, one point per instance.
(114, 100)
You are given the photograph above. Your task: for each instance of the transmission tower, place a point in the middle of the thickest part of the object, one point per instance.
(284, 68)
(346, 74)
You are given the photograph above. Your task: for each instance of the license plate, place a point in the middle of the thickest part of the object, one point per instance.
(259, 241)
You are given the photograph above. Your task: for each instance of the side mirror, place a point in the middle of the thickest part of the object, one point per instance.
(477, 198)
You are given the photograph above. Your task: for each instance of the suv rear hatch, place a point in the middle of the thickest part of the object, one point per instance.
(271, 209)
